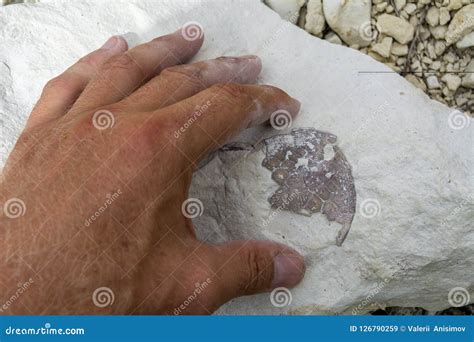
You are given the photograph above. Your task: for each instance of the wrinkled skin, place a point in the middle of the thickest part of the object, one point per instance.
(139, 245)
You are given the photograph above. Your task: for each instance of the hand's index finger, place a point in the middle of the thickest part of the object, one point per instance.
(209, 119)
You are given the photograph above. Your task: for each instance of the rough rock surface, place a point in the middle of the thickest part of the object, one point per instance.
(411, 239)
(427, 28)
(350, 20)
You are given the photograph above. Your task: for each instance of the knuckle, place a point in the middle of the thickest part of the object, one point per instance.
(234, 93)
(92, 60)
(260, 272)
(66, 82)
(119, 62)
(184, 73)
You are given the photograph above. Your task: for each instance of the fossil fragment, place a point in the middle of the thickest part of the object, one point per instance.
(313, 176)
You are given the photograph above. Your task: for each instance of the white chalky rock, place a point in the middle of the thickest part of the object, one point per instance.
(452, 81)
(315, 22)
(466, 42)
(461, 24)
(383, 48)
(432, 17)
(411, 240)
(395, 27)
(350, 20)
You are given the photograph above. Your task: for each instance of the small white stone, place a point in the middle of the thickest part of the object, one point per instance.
(454, 5)
(440, 47)
(410, 8)
(468, 80)
(416, 81)
(466, 42)
(436, 65)
(399, 4)
(333, 38)
(315, 22)
(432, 82)
(439, 32)
(350, 20)
(461, 24)
(399, 49)
(397, 28)
(432, 17)
(452, 81)
(383, 48)
(444, 16)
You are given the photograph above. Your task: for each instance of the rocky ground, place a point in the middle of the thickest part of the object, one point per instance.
(429, 42)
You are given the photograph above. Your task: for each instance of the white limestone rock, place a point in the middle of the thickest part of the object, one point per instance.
(383, 48)
(395, 27)
(350, 20)
(315, 22)
(466, 42)
(411, 238)
(461, 24)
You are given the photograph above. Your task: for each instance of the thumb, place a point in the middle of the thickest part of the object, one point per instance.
(249, 267)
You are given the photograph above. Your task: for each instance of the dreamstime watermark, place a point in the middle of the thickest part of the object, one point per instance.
(110, 199)
(192, 208)
(281, 297)
(458, 296)
(199, 288)
(369, 299)
(14, 208)
(458, 120)
(103, 119)
(22, 287)
(369, 208)
(199, 110)
(281, 119)
(46, 330)
(369, 30)
(192, 30)
(280, 208)
(293, 18)
(103, 296)
(458, 209)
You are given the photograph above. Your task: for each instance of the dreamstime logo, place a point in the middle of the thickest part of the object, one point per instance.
(22, 287)
(369, 31)
(458, 296)
(369, 208)
(192, 30)
(281, 297)
(108, 202)
(103, 119)
(199, 288)
(192, 208)
(458, 120)
(14, 208)
(103, 296)
(280, 208)
(199, 110)
(465, 202)
(281, 119)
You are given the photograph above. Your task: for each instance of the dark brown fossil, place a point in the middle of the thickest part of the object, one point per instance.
(313, 176)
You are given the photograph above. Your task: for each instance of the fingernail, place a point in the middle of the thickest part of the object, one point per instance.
(110, 43)
(289, 269)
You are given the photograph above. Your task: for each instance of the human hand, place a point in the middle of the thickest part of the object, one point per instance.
(100, 174)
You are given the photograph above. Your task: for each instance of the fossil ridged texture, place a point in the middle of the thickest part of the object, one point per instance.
(314, 176)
